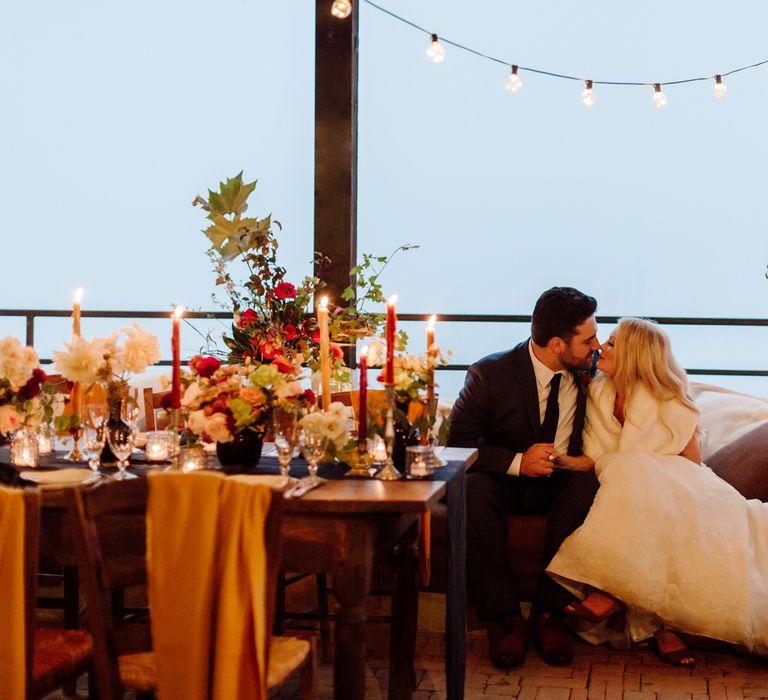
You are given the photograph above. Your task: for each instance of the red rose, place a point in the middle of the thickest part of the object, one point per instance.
(283, 364)
(309, 396)
(285, 290)
(316, 335)
(247, 318)
(204, 366)
(30, 389)
(336, 351)
(290, 332)
(39, 375)
(267, 350)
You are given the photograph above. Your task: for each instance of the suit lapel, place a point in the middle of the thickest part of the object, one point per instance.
(526, 379)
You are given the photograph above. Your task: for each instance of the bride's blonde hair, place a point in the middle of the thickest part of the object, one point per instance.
(643, 354)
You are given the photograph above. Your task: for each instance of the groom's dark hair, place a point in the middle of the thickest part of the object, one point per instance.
(557, 313)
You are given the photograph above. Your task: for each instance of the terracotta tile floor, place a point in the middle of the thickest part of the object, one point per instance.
(597, 673)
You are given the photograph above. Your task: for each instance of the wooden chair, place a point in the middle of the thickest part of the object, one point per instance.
(152, 401)
(112, 542)
(53, 656)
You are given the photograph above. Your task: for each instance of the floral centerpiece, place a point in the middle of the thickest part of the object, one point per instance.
(270, 310)
(224, 401)
(108, 362)
(26, 398)
(413, 374)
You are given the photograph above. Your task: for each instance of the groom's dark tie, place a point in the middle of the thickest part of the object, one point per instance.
(549, 425)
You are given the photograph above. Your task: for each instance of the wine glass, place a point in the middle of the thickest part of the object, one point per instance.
(121, 439)
(129, 412)
(98, 413)
(285, 433)
(313, 445)
(95, 437)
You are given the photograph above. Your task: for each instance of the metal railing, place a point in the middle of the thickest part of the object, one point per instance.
(31, 315)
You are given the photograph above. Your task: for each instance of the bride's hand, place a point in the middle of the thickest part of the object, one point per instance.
(576, 464)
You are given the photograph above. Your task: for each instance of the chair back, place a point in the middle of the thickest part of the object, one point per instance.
(152, 401)
(111, 537)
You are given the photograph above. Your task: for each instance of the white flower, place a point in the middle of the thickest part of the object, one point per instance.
(289, 389)
(10, 419)
(216, 428)
(16, 362)
(197, 421)
(82, 359)
(376, 353)
(140, 349)
(338, 408)
(336, 429)
(191, 398)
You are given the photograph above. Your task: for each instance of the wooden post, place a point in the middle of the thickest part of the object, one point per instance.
(335, 146)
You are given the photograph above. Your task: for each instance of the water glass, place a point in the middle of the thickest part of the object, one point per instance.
(313, 446)
(98, 413)
(95, 437)
(121, 439)
(285, 433)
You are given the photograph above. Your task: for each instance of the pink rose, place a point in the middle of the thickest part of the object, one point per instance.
(10, 419)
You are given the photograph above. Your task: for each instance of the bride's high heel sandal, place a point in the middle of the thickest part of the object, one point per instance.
(671, 649)
(597, 607)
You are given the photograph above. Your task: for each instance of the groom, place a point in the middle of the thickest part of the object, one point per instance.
(520, 408)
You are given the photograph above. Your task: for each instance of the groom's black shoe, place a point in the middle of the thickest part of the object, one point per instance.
(508, 641)
(551, 639)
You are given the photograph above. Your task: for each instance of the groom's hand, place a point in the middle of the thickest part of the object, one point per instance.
(536, 460)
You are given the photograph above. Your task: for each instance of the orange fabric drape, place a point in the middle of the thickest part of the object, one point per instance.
(12, 624)
(207, 580)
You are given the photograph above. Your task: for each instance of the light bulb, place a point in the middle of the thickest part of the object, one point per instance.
(588, 96)
(659, 99)
(720, 90)
(436, 51)
(341, 8)
(513, 82)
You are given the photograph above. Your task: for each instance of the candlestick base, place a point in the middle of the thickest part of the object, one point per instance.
(390, 472)
(359, 470)
(75, 455)
(431, 417)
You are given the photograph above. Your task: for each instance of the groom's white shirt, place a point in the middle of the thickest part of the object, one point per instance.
(566, 401)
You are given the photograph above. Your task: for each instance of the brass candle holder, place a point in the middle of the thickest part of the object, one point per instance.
(360, 468)
(390, 472)
(75, 455)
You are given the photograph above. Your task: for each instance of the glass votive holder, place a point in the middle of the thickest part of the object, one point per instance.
(159, 445)
(377, 449)
(192, 458)
(45, 440)
(419, 461)
(24, 448)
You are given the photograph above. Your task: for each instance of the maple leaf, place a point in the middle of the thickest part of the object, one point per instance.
(232, 196)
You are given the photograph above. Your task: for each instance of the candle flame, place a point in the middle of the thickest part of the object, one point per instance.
(364, 351)
(431, 322)
(324, 303)
(392, 300)
(78, 296)
(178, 311)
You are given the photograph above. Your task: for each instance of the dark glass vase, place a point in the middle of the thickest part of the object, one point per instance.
(107, 458)
(403, 438)
(243, 451)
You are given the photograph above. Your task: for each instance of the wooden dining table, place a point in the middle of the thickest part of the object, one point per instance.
(344, 529)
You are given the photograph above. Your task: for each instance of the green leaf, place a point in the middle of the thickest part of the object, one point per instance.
(232, 196)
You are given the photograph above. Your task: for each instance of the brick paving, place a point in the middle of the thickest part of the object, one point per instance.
(597, 673)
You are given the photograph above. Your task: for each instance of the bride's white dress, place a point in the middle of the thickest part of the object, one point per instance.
(676, 543)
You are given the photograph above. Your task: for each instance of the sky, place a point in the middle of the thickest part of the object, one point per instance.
(116, 116)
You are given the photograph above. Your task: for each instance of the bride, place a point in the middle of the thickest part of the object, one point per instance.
(667, 545)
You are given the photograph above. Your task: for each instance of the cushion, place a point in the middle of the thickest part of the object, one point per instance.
(59, 655)
(725, 415)
(138, 671)
(743, 463)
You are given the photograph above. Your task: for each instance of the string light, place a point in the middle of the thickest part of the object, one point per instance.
(436, 51)
(588, 96)
(513, 82)
(721, 89)
(659, 99)
(341, 8)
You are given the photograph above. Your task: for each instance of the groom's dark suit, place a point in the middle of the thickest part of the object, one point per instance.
(498, 413)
